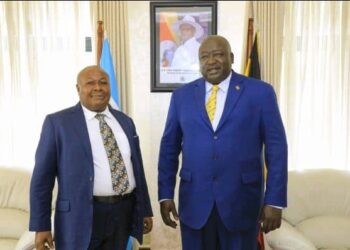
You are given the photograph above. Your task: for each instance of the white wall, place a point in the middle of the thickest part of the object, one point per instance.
(149, 110)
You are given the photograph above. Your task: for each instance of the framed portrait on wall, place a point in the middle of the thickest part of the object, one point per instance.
(177, 29)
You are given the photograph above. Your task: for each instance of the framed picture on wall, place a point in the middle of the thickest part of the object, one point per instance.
(177, 29)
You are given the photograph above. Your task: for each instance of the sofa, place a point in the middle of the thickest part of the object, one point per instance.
(318, 212)
(14, 208)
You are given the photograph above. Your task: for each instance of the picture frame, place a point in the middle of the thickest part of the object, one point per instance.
(177, 29)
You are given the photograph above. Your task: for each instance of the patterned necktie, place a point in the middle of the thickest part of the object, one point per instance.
(211, 103)
(120, 181)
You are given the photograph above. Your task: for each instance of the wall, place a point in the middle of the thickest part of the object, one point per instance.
(149, 110)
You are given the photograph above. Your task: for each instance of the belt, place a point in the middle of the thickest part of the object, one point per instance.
(113, 198)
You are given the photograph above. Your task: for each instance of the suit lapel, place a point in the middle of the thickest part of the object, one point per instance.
(234, 92)
(129, 132)
(124, 124)
(79, 123)
(200, 100)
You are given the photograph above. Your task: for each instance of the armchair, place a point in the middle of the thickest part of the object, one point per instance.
(318, 212)
(14, 210)
(14, 206)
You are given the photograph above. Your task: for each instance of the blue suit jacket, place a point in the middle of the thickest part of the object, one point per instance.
(64, 152)
(225, 166)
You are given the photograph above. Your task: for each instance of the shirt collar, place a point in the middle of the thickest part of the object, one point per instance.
(223, 86)
(89, 114)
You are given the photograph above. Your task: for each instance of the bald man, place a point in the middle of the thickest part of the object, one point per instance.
(221, 123)
(93, 151)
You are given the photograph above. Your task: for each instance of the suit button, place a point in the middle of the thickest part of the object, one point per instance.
(215, 137)
(90, 178)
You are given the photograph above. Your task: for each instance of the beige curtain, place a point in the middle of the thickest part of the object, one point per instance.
(42, 48)
(305, 54)
(315, 92)
(268, 22)
(115, 23)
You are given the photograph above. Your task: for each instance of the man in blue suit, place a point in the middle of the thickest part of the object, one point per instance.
(223, 124)
(93, 151)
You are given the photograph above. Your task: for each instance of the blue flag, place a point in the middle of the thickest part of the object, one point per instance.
(106, 63)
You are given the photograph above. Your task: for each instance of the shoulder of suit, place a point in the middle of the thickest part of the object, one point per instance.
(118, 113)
(64, 111)
(255, 83)
(189, 86)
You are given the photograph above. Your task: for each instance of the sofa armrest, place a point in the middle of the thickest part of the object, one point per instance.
(288, 238)
(266, 244)
(26, 242)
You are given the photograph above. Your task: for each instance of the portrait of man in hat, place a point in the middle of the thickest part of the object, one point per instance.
(179, 34)
(186, 55)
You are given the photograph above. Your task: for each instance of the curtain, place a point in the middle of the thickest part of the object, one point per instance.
(42, 48)
(114, 15)
(305, 54)
(315, 92)
(268, 22)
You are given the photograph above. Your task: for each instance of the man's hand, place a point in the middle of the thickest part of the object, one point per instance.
(166, 207)
(270, 218)
(41, 238)
(147, 225)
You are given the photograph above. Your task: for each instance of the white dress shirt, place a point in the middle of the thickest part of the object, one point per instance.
(103, 180)
(220, 98)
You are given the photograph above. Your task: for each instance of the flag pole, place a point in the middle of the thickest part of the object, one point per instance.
(250, 35)
(99, 41)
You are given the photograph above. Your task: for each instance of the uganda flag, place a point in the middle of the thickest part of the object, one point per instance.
(253, 67)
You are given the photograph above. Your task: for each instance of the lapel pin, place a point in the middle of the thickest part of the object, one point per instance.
(237, 87)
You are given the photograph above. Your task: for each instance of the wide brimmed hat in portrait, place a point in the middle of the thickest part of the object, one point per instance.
(191, 21)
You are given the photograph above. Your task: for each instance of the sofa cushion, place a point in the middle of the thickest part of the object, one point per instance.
(327, 231)
(13, 224)
(288, 238)
(7, 244)
(14, 188)
(317, 193)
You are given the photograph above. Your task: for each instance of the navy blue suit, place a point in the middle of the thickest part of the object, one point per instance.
(224, 167)
(64, 152)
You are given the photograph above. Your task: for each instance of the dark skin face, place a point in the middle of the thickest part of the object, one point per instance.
(93, 88)
(215, 58)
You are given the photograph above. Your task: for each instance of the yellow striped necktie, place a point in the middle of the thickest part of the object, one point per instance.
(211, 103)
